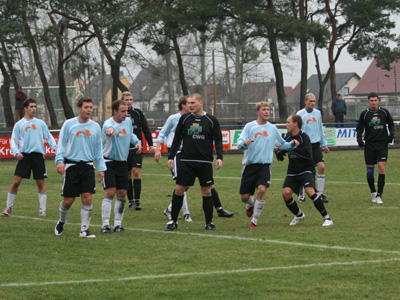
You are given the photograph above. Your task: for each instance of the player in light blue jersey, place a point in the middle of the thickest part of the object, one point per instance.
(312, 125)
(258, 140)
(28, 148)
(117, 136)
(79, 144)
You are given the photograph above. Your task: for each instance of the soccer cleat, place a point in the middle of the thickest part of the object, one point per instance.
(167, 213)
(119, 229)
(187, 218)
(131, 205)
(86, 235)
(171, 226)
(327, 222)
(249, 210)
(253, 225)
(323, 198)
(296, 220)
(301, 199)
(373, 197)
(224, 213)
(7, 211)
(42, 213)
(137, 205)
(211, 226)
(58, 230)
(106, 229)
(379, 200)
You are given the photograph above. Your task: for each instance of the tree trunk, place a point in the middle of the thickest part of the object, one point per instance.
(303, 55)
(170, 82)
(180, 66)
(5, 95)
(39, 67)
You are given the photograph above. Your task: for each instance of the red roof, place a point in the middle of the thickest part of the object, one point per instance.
(378, 80)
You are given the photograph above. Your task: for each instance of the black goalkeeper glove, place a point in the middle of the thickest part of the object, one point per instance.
(360, 143)
(280, 154)
(390, 139)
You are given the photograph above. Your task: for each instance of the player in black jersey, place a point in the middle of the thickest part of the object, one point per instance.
(300, 172)
(198, 131)
(375, 121)
(135, 160)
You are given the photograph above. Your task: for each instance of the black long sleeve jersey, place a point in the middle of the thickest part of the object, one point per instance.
(198, 133)
(301, 158)
(376, 124)
(139, 124)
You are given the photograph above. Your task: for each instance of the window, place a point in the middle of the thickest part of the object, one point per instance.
(346, 91)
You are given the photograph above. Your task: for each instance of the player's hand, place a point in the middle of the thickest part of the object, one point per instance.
(360, 143)
(326, 149)
(110, 131)
(218, 163)
(60, 168)
(152, 149)
(295, 143)
(100, 176)
(54, 149)
(248, 142)
(170, 164)
(280, 154)
(139, 148)
(390, 139)
(157, 155)
(20, 156)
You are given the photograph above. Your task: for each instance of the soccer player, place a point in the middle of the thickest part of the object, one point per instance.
(167, 133)
(135, 160)
(28, 148)
(258, 140)
(300, 172)
(375, 121)
(79, 144)
(117, 135)
(312, 125)
(198, 131)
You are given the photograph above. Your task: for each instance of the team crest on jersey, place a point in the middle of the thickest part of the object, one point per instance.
(374, 122)
(32, 127)
(195, 129)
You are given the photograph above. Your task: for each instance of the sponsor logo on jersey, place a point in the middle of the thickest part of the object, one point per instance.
(195, 131)
(86, 132)
(121, 132)
(311, 120)
(264, 133)
(32, 127)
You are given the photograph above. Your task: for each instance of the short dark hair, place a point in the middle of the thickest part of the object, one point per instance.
(116, 104)
(182, 101)
(84, 99)
(372, 95)
(297, 119)
(28, 101)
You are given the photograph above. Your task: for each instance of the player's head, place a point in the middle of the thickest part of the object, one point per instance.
(293, 123)
(29, 106)
(261, 104)
(128, 98)
(119, 110)
(310, 100)
(373, 100)
(182, 104)
(195, 103)
(28, 101)
(84, 100)
(85, 108)
(263, 111)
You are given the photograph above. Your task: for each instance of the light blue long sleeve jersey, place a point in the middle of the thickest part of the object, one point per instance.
(28, 135)
(312, 125)
(167, 132)
(116, 147)
(86, 141)
(266, 137)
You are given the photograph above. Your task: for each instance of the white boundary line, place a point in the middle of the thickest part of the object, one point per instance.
(235, 238)
(141, 277)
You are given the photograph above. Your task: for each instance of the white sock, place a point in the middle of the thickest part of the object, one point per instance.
(63, 213)
(301, 192)
(86, 215)
(106, 211)
(258, 208)
(42, 201)
(170, 206)
(119, 209)
(10, 199)
(185, 207)
(321, 183)
(250, 201)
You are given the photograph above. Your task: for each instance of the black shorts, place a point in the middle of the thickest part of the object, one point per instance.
(32, 162)
(317, 153)
(372, 157)
(254, 175)
(78, 178)
(187, 171)
(113, 177)
(296, 182)
(134, 160)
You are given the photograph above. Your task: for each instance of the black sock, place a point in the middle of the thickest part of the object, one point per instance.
(371, 183)
(217, 202)
(208, 208)
(381, 183)
(319, 205)
(292, 206)
(129, 192)
(177, 202)
(137, 187)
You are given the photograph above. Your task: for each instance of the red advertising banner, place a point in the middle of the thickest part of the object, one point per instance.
(5, 148)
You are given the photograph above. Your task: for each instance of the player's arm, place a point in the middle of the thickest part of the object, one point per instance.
(177, 138)
(391, 128)
(360, 130)
(146, 132)
(217, 136)
(244, 140)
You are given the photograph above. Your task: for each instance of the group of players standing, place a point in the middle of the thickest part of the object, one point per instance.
(190, 137)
